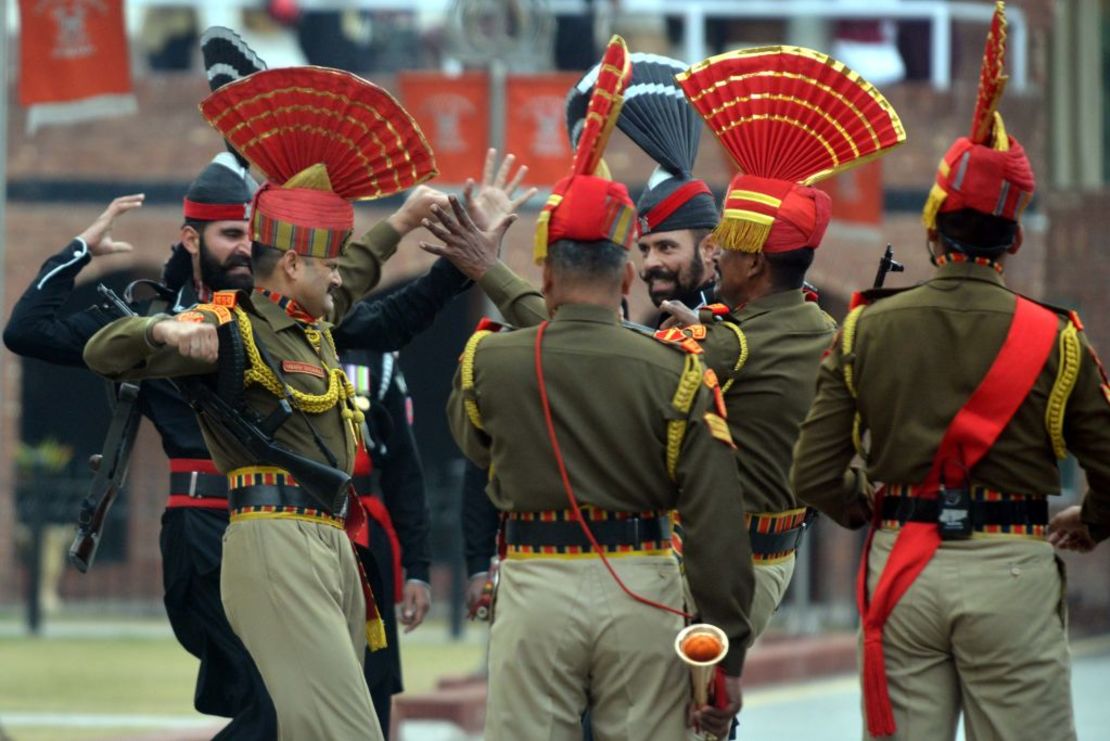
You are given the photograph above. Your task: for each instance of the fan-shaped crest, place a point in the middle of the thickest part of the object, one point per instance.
(655, 114)
(992, 78)
(286, 120)
(614, 72)
(790, 113)
(227, 57)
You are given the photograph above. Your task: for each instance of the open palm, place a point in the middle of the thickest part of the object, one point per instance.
(98, 236)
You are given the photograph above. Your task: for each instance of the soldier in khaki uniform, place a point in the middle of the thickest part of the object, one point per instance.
(766, 350)
(625, 429)
(290, 585)
(970, 394)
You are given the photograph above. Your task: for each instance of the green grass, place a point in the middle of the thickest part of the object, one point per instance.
(96, 675)
(155, 676)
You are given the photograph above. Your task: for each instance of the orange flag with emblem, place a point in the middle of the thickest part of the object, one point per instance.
(74, 61)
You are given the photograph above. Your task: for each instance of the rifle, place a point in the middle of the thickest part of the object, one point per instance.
(326, 484)
(887, 264)
(111, 471)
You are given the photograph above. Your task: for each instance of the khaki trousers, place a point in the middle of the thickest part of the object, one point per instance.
(983, 631)
(566, 638)
(292, 594)
(771, 581)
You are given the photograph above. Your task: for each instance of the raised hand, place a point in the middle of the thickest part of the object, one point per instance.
(416, 208)
(681, 314)
(489, 202)
(472, 250)
(98, 235)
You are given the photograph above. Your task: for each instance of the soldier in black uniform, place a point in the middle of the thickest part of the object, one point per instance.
(196, 516)
(389, 479)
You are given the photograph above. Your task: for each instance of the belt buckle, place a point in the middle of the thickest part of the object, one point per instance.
(193, 485)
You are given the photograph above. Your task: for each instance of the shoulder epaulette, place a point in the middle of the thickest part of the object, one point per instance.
(1070, 314)
(712, 313)
(871, 295)
(485, 324)
(195, 314)
(226, 298)
(680, 339)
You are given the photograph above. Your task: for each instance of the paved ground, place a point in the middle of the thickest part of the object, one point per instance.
(822, 710)
(828, 710)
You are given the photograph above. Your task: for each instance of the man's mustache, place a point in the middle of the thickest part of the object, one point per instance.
(658, 274)
(238, 261)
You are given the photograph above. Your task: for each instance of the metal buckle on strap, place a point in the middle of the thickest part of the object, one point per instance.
(193, 485)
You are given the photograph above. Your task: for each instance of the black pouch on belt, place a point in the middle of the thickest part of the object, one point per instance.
(954, 517)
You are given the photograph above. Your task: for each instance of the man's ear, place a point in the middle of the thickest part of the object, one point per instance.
(1019, 237)
(291, 263)
(707, 247)
(627, 278)
(758, 265)
(190, 238)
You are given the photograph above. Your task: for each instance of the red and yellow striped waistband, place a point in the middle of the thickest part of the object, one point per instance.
(240, 478)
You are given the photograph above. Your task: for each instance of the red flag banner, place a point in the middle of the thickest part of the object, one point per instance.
(74, 61)
(536, 129)
(857, 194)
(453, 112)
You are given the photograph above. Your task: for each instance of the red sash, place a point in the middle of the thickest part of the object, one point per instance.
(376, 510)
(970, 435)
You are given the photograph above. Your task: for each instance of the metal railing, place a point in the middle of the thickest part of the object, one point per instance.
(695, 14)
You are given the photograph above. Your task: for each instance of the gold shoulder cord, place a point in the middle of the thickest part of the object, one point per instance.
(682, 401)
(847, 343)
(340, 390)
(741, 358)
(466, 369)
(1062, 388)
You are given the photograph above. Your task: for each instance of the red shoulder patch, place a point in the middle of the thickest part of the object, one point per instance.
(679, 338)
(488, 325)
(226, 298)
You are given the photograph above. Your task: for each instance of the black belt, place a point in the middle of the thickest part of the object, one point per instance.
(775, 544)
(274, 495)
(632, 531)
(1008, 512)
(198, 484)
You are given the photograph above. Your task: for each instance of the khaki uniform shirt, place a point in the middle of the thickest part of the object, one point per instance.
(917, 357)
(773, 377)
(610, 390)
(121, 351)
